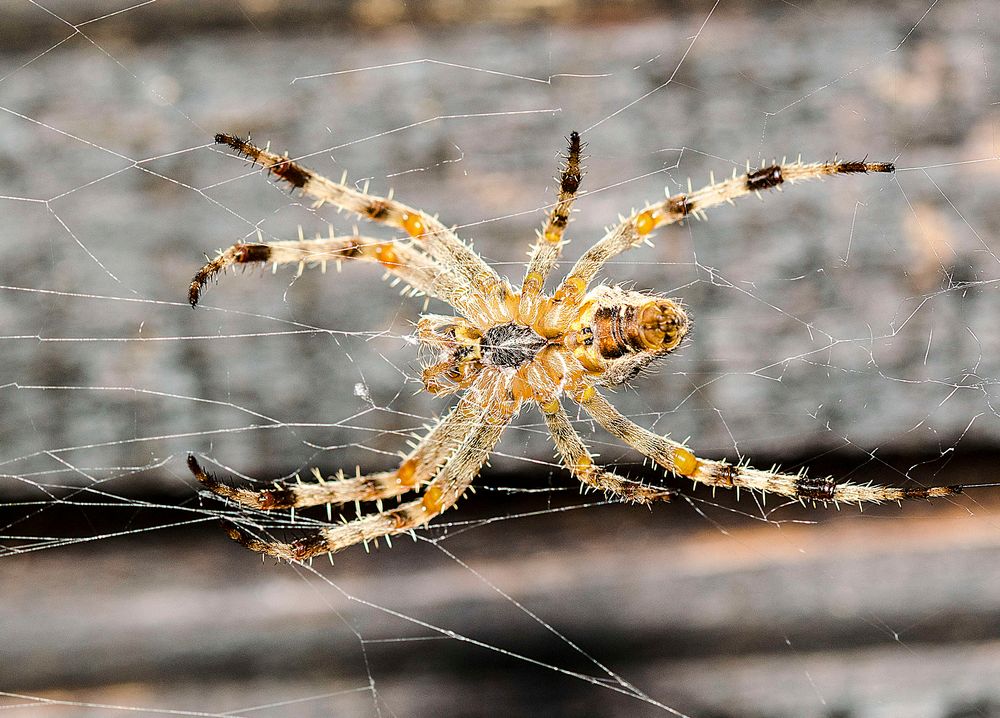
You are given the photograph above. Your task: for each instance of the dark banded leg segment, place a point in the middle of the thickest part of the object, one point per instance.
(675, 457)
(634, 230)
(398, 258)
(426, 231)
(548, 246)
(417, 469)
(484, 410)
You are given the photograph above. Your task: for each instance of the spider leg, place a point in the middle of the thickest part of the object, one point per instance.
(417, 468)
(633, 230)
(578, 460)
(449, 484)
(676, 458)
(443, 244)
(548, 246)
(399, 259)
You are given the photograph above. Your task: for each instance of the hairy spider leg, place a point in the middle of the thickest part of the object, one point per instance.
(635, 229)
(548, 246)
(577, 459)
(400, 259)
(416, 469)
(677, 458)
(452, 479)
(441, 242)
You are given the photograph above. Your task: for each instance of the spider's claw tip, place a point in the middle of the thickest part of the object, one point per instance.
(194, 466)
(204, 478)
(231, 529)
(238, 535)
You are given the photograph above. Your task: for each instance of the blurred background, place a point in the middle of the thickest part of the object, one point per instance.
(850, 326)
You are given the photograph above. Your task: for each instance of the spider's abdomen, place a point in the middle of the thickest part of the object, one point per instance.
(510, 345)
(619, 332)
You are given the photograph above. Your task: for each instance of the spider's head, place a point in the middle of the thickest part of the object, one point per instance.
(622, 331)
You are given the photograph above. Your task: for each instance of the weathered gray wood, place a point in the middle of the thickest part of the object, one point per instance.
(860, 315)
(822, 316)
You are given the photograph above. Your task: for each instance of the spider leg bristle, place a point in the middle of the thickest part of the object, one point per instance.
(357, 508)
(291, 515)
(329, 512)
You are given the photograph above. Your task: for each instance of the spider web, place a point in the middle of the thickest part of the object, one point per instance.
(849, 326)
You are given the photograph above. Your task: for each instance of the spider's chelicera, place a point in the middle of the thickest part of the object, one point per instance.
(509, 346)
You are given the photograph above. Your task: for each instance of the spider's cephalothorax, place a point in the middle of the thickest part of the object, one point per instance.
(509, 346)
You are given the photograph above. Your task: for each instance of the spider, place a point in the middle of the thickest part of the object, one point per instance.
(510, 346)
